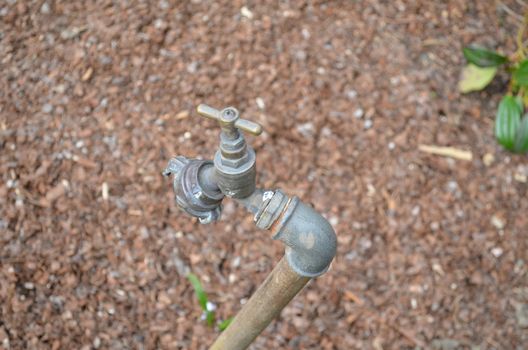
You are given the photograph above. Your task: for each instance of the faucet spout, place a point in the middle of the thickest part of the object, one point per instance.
(195, 187)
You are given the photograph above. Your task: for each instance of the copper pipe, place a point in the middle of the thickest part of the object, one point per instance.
(281, 285)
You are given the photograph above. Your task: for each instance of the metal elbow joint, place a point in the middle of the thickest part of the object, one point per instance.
(310, 240)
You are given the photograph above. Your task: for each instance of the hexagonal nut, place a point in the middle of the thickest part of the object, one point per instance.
(230, 144)
(234, 163)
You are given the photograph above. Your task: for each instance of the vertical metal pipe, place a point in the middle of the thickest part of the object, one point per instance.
(281, 285)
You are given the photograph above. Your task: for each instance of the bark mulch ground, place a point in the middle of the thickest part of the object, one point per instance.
(95, 97)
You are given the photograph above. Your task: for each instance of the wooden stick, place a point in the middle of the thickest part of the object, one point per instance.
(447, 152)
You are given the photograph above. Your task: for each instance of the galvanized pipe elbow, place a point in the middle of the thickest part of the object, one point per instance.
(310, 240)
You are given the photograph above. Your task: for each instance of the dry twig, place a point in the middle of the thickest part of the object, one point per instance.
(447, 152)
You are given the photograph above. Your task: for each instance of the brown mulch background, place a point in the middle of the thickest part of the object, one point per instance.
(99, 95)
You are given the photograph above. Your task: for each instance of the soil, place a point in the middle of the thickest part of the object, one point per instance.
(95, 97)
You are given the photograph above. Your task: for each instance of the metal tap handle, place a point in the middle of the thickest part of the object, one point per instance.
(229, 119)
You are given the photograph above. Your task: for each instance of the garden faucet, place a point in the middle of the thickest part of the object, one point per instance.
(201, 186)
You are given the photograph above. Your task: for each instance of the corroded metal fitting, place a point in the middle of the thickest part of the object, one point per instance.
(273, 204)
(200, 187)
(196, 191)
(235, 161)
(237, 182)
(310, 240)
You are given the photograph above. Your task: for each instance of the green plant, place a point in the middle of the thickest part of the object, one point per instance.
(207, 307)
(225, 323)
(511, 127)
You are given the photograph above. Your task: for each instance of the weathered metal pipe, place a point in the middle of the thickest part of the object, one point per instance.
(310, 248)
(310, 240)
(281, 285)
(311, 243)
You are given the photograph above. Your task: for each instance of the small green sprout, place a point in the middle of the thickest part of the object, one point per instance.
(207, 307)
(224, 324)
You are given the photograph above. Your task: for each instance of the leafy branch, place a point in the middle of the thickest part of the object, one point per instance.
(511, 127)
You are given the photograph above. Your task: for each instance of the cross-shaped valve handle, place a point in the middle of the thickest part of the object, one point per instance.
(229, 119)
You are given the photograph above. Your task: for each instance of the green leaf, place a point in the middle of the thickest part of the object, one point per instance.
(507, 121)
(520, 74)
(224, 324)
(524, 100)
(521, 136)
(210, 318)
(483, 58)
(475, 78)
(520, 103)
(198, 290)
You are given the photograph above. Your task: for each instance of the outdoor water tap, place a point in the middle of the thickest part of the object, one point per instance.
(234, 161)
(200, 187)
